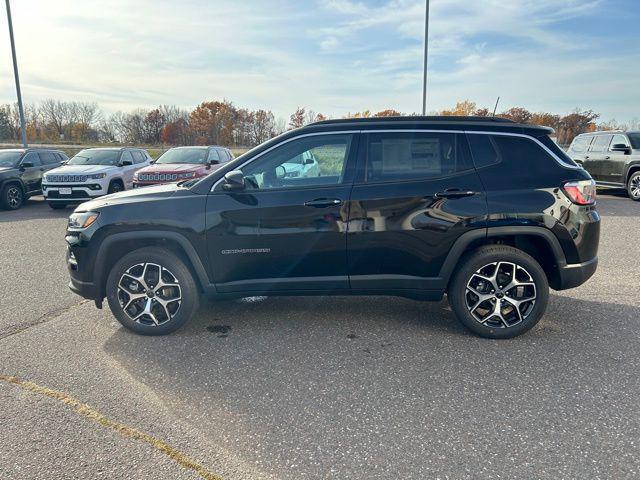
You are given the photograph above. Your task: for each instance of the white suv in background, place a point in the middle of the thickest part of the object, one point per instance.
(91, 173)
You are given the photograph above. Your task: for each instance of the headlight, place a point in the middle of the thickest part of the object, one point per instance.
(97, 176)
(187, 175)
(81, 220)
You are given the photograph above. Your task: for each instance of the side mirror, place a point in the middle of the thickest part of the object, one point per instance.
(308, 161)
(620, 147)
(126, 163)
(234, 180)
(152, 161)
(26, 165)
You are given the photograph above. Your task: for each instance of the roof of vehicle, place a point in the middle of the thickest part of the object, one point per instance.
(31, 149)
(607, 132)
(437, 122)
(199, 146)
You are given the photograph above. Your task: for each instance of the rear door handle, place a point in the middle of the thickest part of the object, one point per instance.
(323, 202)
(454, 193)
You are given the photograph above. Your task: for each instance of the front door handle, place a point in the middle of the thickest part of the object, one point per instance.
(607, 157)
(455, 193)
(586, 157)
(323, 202)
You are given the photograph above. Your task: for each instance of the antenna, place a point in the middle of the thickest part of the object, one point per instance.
(496, 107)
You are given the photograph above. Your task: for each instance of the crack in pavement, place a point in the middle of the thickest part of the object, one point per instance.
(52, 315)
(124, 430)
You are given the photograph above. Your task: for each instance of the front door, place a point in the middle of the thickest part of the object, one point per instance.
(31, 171)
(415, 194)
(615, 161)
(287, 229)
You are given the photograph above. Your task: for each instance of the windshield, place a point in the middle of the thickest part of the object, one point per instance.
(183, 155)
(9, 159)
(95, 157)
(634, 138)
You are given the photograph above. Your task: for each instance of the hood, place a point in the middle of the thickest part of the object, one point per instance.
(132, 196)
(6, 169)
(172, 167)
(81, 169)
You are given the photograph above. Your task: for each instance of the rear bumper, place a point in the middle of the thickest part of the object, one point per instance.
(575, 274)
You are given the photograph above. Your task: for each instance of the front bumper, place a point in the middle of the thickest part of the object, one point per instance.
(79, 192)
(575, 274)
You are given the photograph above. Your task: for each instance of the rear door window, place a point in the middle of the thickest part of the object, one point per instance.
(48, 158)
(483, 150)
(414, 155)
(601, 143)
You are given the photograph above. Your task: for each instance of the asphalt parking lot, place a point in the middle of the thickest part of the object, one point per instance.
(298, 388)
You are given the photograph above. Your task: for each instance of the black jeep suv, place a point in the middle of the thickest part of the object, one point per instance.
(488, 211)
(21, 171)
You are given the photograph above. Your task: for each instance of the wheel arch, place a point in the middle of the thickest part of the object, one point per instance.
(115, 246)
(631, 169)
(538, 242)
(9, 181)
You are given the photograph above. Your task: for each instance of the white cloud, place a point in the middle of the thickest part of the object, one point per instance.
(334, 56)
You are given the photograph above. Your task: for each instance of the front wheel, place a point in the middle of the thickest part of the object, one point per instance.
(633, 186)
(11, 197)
(499, 292)
(115, 187)
(152, 292)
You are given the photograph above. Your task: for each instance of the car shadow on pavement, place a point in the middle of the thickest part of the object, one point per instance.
(393, 382)
(34, 209)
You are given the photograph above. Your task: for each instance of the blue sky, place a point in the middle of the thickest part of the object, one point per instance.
(333, 56)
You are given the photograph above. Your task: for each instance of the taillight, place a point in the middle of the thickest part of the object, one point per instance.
(582, 192)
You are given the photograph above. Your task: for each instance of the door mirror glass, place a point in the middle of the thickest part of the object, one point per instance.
(308, 160)
(126, 163)
(233, 180)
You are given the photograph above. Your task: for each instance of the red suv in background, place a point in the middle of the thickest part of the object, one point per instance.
(182, 163)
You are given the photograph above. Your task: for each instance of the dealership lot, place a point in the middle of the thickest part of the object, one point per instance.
(318, 387)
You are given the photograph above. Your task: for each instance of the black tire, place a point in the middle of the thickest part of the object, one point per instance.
(57, 205)
(168, 319)
(512, 320)
(633, 186)
(115, 186)
(12, 197)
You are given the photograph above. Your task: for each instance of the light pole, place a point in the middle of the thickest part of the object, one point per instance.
(15, 74)
(426, 50)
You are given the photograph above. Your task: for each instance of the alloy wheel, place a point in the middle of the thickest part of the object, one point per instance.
(149, 294)
(500, 294)
(14, 197)
(634, 186)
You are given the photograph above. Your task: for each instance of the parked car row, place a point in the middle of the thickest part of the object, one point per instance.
(94, 172)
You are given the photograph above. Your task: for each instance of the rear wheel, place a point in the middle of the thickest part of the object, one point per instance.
(11, 197)
(152, 292)
(499, 292)
(633, 186)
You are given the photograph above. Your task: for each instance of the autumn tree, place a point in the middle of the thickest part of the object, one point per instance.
(517, 114)
(297, 118)
(390, 112)
(463, 109)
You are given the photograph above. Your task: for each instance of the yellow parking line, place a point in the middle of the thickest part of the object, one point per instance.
(95, 416)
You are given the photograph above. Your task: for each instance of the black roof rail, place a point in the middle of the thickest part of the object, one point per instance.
(416, 118)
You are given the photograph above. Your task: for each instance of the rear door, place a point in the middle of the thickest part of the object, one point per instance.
(284, 231)
(415, 193)
(595, 157)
